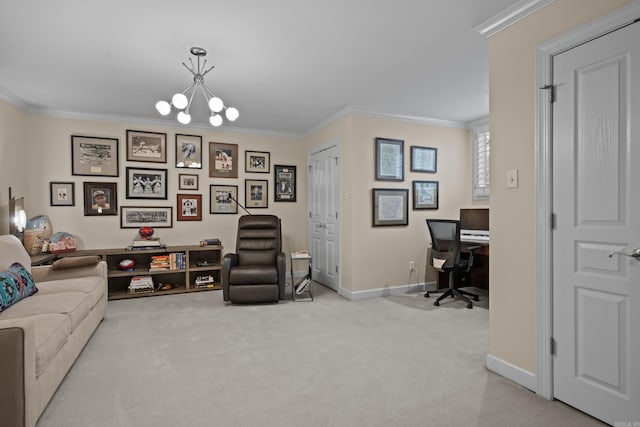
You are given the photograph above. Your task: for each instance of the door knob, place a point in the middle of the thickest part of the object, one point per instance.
(635, 253)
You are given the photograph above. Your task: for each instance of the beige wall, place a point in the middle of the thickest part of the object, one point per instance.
(13, 157)
(512, 105)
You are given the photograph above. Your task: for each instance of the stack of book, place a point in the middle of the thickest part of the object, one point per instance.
(146, 243)
(204, 282)
(159, 263)
(141, 284)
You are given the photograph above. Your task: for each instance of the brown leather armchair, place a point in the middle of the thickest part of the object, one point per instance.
(257, 271)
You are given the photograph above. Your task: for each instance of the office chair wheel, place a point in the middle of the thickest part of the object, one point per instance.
(437, 304)
(426, 295)
(469, 305)
(476, 298)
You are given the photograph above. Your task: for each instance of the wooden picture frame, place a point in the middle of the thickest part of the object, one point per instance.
(100, 198)
(425, 194)
(390, 206)
(188, 151)
(256, 193)
(62, 193)
(146, 146)
(257, 161)
(187, 181)
(189, 207)
(223, 160)
(94, 156)
(284, 182)
(222, 199)
(146, 216)
(146, 183)
(424, 159)
(389, 159)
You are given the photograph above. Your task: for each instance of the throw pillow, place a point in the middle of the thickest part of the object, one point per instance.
(16, 283)
(74, 262)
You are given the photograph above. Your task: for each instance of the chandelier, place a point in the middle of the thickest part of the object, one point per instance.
(182, 101)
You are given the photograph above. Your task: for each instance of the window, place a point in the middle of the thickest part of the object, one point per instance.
(481, 151)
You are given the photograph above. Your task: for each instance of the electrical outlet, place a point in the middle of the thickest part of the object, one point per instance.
(412, 266)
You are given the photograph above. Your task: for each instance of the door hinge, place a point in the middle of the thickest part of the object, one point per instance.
(552, 346)
(336, 215)
(552, 92)
(309, 214)
(336, 159)
(552, 220)
(336, 268)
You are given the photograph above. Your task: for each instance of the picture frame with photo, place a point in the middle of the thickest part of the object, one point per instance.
(187, 181)
(62, 193)
(222, 199)
(257, 161)
(146, 216)
(389, 159)
(390, 207)
(425, 194)
(188, 151)
(424, 159)
(94, 156)
(100, 198)
(146, 146)
(285, 183)
(256, 192)
(223, 160)
(146, 183)
(189, 207)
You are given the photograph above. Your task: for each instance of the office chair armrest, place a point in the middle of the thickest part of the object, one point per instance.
(471, 250)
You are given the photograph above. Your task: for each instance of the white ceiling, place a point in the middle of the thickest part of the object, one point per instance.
(287, 65)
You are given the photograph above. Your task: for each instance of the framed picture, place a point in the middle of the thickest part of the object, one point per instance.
(223, 160)
(256, 193)
(146, 146)
(146, 216)
(390, 206)
(189, 207)
(425, 194)
(285, 183)
(256, 161)
(389, 159)
(62, 193)
(424, 159)
(94, 156)
(187, 181)
(188, 151)
(100, 198)
(222, 199)
(146, 183)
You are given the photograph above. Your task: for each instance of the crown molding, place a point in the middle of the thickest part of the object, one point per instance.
(11, 98)
(510, 16)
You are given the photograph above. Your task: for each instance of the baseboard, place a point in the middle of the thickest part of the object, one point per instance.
(389, 290)
(512, 372)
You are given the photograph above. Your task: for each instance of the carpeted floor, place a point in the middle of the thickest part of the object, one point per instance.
(192, 360)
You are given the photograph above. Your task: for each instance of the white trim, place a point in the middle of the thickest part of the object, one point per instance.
(510, 16)
(13, 99)
(511, 372)
(384, 292)
(544, 248)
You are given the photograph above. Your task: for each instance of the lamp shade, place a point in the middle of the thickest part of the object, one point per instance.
(216, 104)
(232, 114)
(215, 120)
(163, 107)
(184, 118)
(179, 101)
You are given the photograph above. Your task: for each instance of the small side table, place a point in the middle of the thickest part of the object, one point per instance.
(307, 291)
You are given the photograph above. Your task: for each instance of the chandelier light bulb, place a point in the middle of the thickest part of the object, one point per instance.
(184, 118)
(215, 104)
(232, 114)
(215, 120)
(179, 101)
(163, 107)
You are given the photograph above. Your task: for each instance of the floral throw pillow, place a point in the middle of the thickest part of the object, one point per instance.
(16, 283)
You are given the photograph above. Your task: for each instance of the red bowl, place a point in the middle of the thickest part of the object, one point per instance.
(146, 232)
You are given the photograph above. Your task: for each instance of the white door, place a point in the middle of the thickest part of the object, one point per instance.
(596, 201)
(324, 188)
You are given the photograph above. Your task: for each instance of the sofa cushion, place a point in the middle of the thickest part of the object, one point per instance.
(75, 262)
(51, 332)
(253, 275)
(90, 285)
(76, 305)
(16, 284)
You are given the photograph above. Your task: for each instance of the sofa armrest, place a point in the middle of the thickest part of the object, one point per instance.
(18, 401)
(229, 261)
(281, 265)
(45, 273)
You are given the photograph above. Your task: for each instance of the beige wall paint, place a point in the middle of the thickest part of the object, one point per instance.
(512, 122)
(13, 157)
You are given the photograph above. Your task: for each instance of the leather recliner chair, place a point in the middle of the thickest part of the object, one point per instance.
(256, 272)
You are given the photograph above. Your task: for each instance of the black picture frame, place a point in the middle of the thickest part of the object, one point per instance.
(188, 151)
(100, 198)
(146, 216)
(221, 199)
(146, 183)
(257, 161)
(425, 194)
(94, 156)
(284, 181)
(256, 193)
(143, 146)
(424, 159)
(62, 193)
(389, 159)
(390, 207)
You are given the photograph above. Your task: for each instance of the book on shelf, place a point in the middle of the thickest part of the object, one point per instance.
(208, 285)
(300, 288)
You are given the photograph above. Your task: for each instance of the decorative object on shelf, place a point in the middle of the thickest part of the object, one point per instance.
(141, 284)
(181, 102)
(223, 160)
(100, 198)
(389, 159)
(188, 151)
(424, 159)
(37, 230)
(425, 194)
(145, 146)
(146, 183)
(285, 183)
(256, 193)
(141, 216)
(256, 161)
(146, 232)
(126, 265)
(390, 206)
(62, 194)
(210, 242)
(94, 156)
(62, 242)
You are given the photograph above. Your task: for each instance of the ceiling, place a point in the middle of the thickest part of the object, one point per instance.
(287, 65)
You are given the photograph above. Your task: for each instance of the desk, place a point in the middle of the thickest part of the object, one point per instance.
(479, 274)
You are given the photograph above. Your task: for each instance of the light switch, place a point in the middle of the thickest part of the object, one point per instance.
(512, 178)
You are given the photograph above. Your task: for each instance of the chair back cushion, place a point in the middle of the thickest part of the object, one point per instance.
(259, 239)
(445, 243)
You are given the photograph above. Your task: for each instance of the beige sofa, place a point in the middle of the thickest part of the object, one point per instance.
(42, 335)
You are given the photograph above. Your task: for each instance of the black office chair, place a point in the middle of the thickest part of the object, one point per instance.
(445, 256)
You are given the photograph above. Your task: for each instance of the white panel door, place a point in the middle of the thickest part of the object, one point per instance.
(324, 210)
(596, 199)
